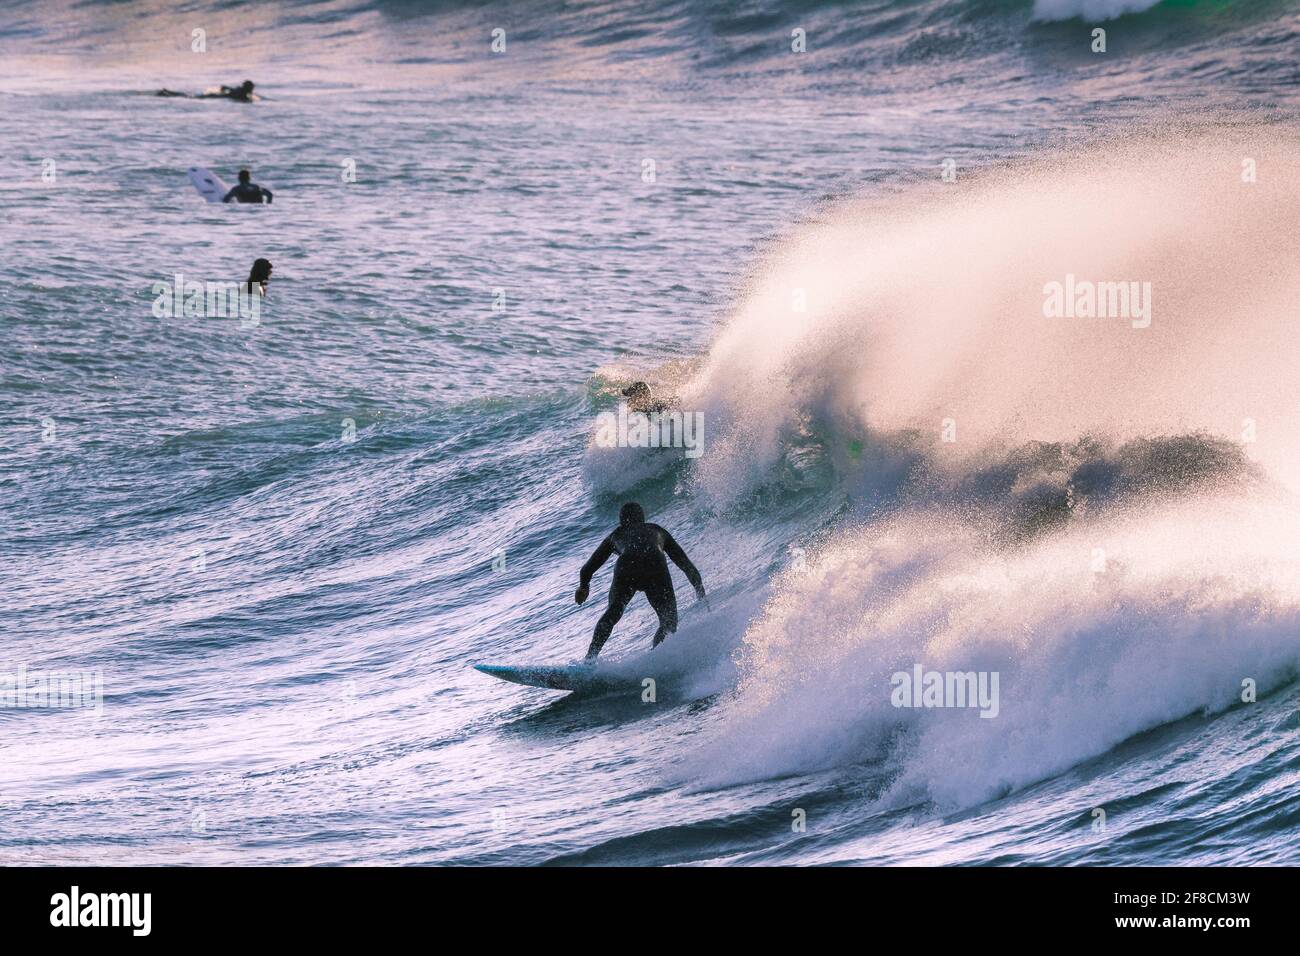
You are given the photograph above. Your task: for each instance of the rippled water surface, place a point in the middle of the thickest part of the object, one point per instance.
(282, 546)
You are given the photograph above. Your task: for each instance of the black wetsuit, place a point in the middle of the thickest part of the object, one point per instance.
(641, 566)
(248, 192)
(227, 93)
(232, 93)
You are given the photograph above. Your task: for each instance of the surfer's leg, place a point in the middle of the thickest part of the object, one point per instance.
(664, 601)
(620, 592)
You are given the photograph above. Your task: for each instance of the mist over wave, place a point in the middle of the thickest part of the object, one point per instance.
(924, 311)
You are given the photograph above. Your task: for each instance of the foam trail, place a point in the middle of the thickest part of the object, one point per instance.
(1185, 604)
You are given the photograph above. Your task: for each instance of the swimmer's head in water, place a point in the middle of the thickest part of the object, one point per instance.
(631, 513)
(247, 86)
(261, 271)
(637, 390)
(245, 176)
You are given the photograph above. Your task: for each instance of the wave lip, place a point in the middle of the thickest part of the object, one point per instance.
(925, 312)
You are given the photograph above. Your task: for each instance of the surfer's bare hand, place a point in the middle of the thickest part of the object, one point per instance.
(581, 595)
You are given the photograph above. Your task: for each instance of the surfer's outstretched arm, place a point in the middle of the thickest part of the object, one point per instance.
(598, 558)
(679, 558)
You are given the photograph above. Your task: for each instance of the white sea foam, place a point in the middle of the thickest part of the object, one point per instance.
(1112, 530)
(1192, 600)
(1091, 10)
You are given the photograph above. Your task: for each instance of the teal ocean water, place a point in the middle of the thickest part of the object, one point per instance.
(282, 546)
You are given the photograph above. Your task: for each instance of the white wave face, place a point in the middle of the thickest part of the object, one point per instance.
(1107, 605)
(1090, 10)
(1096, 634)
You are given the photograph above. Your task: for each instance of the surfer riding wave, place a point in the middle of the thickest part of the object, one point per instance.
(641, 566)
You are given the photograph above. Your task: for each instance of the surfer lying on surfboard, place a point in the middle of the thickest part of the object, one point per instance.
(641, 566)
(242, 93)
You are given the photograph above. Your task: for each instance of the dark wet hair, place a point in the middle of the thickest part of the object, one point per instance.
(260, 273)
(637, 388)
(245, 175)
(248, 86)
(631, 513)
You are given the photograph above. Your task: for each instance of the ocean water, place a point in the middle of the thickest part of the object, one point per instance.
(281, 546)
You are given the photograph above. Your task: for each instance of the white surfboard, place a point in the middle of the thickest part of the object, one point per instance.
(208, 183)
(578, 677)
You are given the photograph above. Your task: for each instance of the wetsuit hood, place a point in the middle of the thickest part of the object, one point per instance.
(631, 513)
